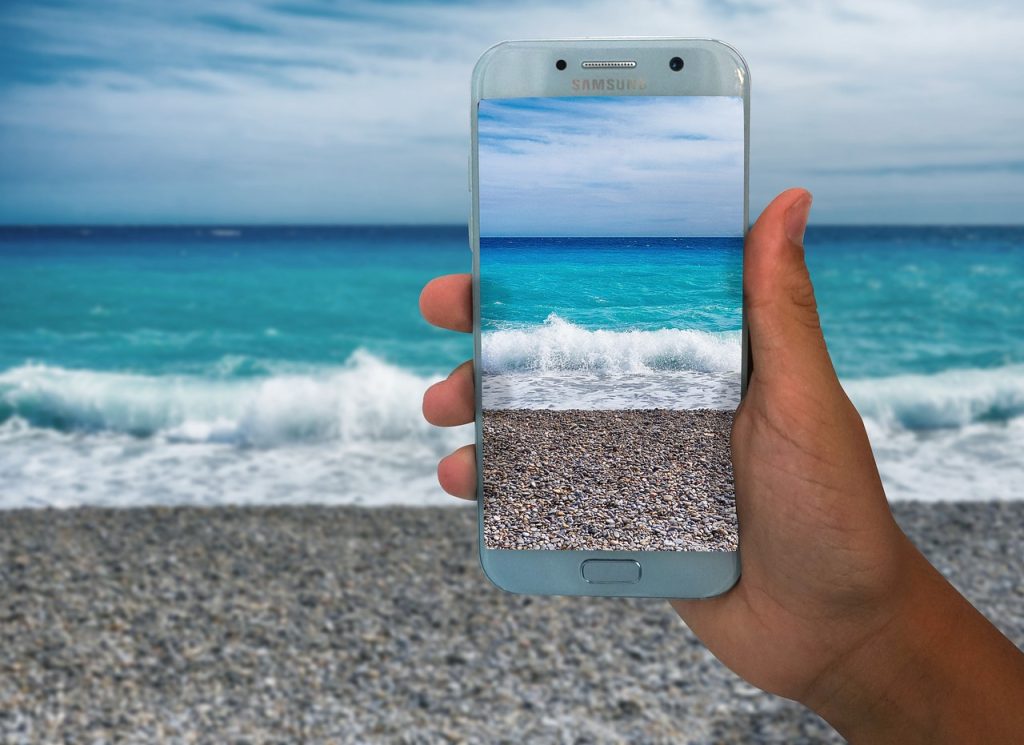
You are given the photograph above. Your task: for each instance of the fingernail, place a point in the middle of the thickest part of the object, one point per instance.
(796, 219)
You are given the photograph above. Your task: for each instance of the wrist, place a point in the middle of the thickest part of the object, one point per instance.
(934, 670)
(869, 692)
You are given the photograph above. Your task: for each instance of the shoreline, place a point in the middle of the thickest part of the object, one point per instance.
(377, 625)
(631, 479)
(604, 390)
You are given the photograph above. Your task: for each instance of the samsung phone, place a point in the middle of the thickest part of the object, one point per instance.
(609, 209)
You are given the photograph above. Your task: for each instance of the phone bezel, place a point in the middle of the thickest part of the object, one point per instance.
(516, 69)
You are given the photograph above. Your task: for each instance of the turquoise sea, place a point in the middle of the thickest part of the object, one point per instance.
(611, 323)
(286, 365)
(204, 366)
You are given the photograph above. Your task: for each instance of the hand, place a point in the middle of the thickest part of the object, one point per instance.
(835, 606)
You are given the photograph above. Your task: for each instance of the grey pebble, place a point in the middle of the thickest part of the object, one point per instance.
(344, 624)
(639, 479)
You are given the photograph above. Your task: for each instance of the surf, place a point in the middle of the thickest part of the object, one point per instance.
(560, 346)
(367, 399)
(948, 399)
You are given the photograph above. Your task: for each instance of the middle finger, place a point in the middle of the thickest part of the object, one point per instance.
(449, 403)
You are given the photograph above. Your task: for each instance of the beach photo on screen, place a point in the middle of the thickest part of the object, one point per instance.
(611, 247)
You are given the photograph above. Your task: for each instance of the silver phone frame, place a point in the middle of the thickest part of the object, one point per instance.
(517, 69)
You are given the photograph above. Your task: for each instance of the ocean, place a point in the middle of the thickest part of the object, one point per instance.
(211, 366)
(286, 365)
(611, 323)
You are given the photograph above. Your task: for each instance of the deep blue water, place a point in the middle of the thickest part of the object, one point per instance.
(287, 364)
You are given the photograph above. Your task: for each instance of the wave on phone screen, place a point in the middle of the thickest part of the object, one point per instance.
(611, 313)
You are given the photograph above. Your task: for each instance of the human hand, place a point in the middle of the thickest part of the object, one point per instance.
(835, 607)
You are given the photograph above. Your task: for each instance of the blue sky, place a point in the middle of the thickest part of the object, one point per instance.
(332, 112)
(611, 166)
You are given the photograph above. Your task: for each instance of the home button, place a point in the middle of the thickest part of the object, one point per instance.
(610, 571)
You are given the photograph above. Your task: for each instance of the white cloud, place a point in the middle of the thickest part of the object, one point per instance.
(137, 112)
(612, 166)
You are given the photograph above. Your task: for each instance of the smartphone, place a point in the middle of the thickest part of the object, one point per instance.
(609, 209)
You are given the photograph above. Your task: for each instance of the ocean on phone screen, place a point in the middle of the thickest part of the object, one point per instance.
(287, 365)
(611, 323)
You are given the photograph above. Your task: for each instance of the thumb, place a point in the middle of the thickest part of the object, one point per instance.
(782, 315)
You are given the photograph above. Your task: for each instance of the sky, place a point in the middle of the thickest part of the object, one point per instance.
(293, 111)
(612, 166)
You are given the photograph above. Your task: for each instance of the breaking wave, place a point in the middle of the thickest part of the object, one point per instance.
(560, 346)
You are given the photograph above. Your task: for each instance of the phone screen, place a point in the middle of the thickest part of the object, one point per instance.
(611, 250)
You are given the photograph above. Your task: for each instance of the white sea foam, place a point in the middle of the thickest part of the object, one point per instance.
(952, 398)
(658, 389)
(355, 435)
(365, 400)
(351, 435)
(560, 346)
(953, 435)
(981, 461)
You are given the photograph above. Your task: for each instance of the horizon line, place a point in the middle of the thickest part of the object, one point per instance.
(446, 225)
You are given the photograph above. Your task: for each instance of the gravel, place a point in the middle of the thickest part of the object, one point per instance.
(638, 480)
(346, 624)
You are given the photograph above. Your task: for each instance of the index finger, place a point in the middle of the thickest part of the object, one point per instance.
(448, 302)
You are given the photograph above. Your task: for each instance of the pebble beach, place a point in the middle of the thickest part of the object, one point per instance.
(347, 624)
(637, 480)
